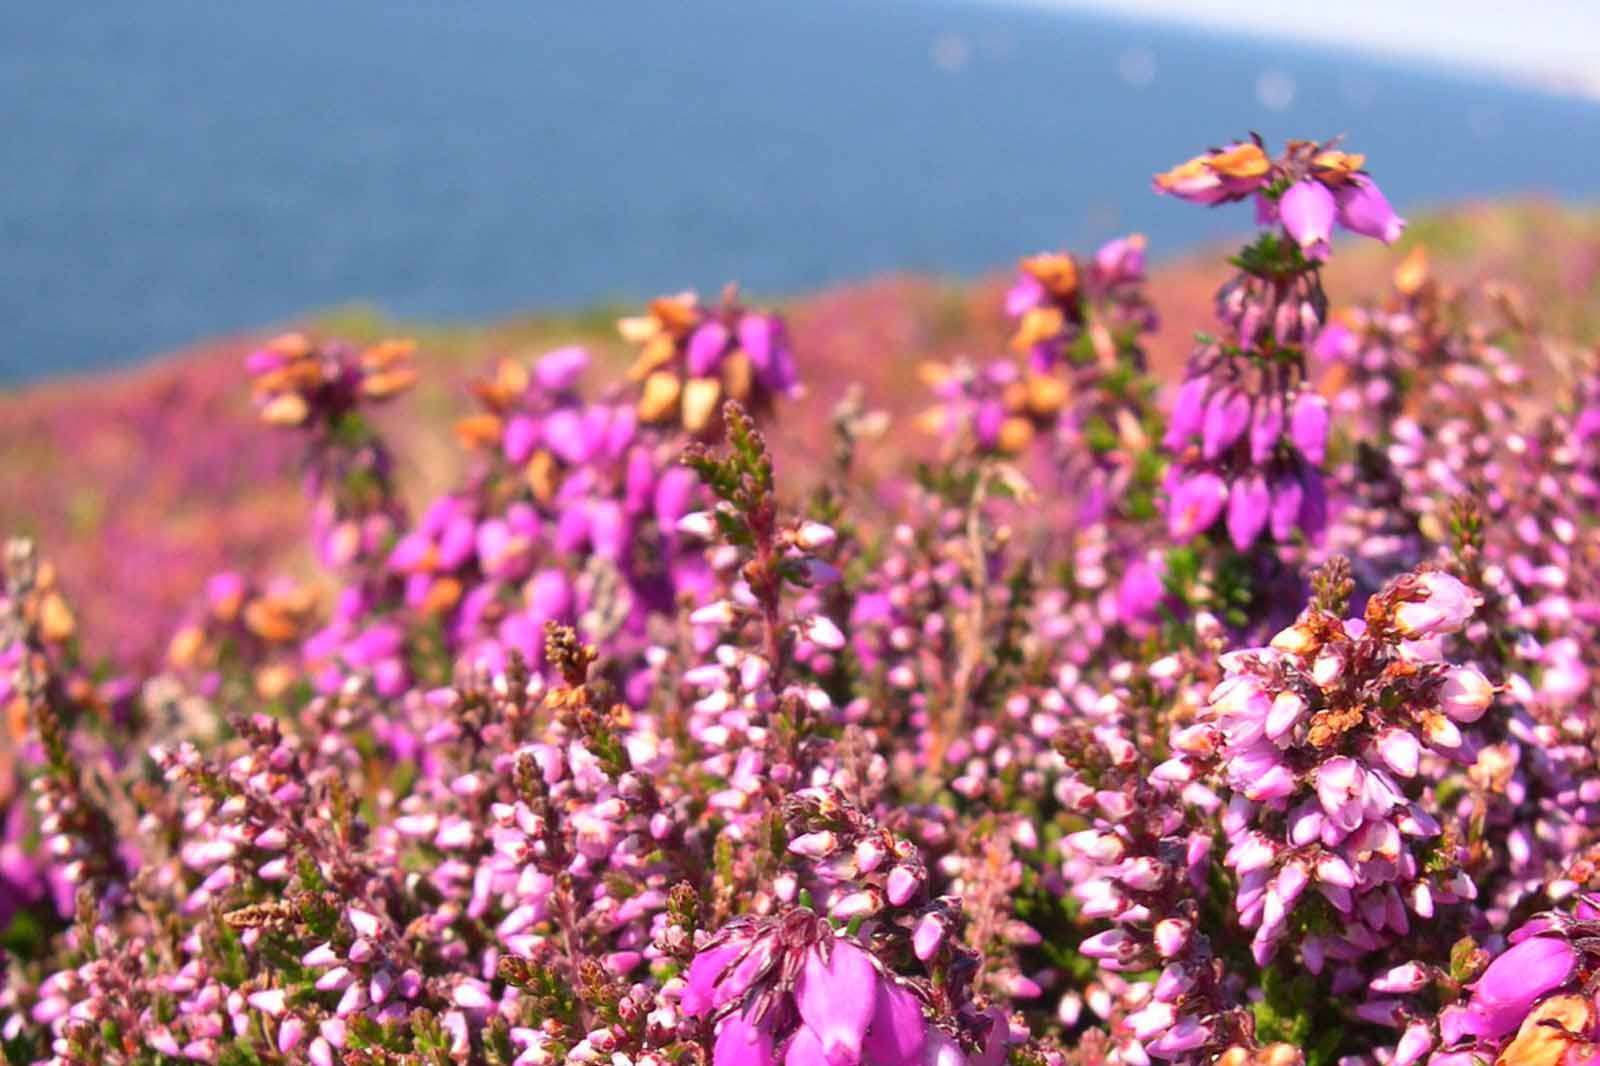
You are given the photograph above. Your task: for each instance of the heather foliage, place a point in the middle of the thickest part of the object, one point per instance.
(1241, 719)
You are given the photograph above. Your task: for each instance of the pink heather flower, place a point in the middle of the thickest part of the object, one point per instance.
(901, 885)
(1249, 505)
(1287, 710)
(927, 936)
(1153, 1018)
(1308, 426)
(943, 1051)
(706, 346)
(1141, 592)
(1288, 499)
(473, 996)
(1407, 977)
(1340, 783)
(837, 997)
(1336, 342)
(270, 1001)
(1307, 210)
(805, 1049)
(897, 1034)
(560, 370)
(699, 994)
(1265, 429)
(1363, 209)
(1026, 293)
(1172, 935)
(1445, 608)
(1195, 505)
(290, 1034)
(764, 338)
(1186, 1035)
(1232, 173)
(814, 845)
(814, 536)
(1108, 944)
(821, 631)
(1400, 751)
(1121, 259)
(1516, 979)
(1414, 1043)
(1188, 412)
(741, 1044)
(521, 437)
(1466, 694)
(1227, 418)
(818, 998)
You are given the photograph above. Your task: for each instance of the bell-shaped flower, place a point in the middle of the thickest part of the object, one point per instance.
(1196, 503)
(1365, 210)
(897, 1034)
(837, 995)
(1308, 426)
(1516, 979)
(740, 1043)
(1307, 211)
(1227, 418)
(1249, 506)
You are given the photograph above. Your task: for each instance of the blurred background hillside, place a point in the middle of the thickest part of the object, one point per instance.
(182, 169)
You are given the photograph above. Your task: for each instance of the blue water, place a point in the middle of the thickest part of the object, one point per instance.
(174, 169)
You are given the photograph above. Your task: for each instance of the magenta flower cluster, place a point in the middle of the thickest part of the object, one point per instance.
(1244, 719)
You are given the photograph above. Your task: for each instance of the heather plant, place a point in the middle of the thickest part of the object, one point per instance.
(1238, 720)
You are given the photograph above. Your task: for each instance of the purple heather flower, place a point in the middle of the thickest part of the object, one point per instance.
(1288, 500)
(1445, 607)
(1335, 343)
(1141, 592)
(1307, 209)
(1466, 694)
(559, 371)
(1227, 418)
(1188, 412)
(1249, 505)
(897, 1033)
(927, 937)
(1515, 980)
(1196, 503)
(1265, 429)
(837, 996)
(740, 1043)
(1232, 173)
(706, 347)
(765, 338)
(827, 1000)
(1026, 293)
(521, 437)
(1120, 260)
(674, 495)
(1308, 426)
(1414, 1043)
(1363, 209)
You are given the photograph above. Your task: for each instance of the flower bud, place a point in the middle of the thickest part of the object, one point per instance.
(814, 536)
(822, 632)
(814, 845)
(1466, 694)
(927, 937)
(702, 524)
(901, 885)
(1172, 936)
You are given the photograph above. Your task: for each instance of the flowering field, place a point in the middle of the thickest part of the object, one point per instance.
(1104, 665)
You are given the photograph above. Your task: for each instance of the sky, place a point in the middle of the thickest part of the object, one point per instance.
(1552, 43)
